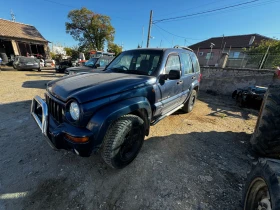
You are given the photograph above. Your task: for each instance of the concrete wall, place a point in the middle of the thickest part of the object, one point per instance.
(225, 81)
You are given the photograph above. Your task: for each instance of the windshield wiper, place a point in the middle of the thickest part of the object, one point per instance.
(117, 70)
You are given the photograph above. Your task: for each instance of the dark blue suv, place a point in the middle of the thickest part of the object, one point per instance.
(112, 111)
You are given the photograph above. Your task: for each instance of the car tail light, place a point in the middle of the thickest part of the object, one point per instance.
(200, 77)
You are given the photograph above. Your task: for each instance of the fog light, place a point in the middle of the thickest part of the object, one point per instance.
(76, 139)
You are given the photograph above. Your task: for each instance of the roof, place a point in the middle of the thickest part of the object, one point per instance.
(19, 30)
(238, 41)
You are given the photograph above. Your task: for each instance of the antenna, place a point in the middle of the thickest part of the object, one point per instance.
(13, 16)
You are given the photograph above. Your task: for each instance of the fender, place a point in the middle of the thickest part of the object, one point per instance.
(100, 122)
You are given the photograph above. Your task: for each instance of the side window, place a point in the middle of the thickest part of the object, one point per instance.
(173, 63)
(103, 62)
(187, 63)
(195, 63)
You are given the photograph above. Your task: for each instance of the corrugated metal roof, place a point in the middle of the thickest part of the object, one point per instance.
(19, 30)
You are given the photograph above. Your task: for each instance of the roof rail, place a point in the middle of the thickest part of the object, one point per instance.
(182, 47)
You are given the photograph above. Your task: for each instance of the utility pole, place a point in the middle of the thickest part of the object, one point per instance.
(150, 28)
(211, 46)
(185, 42)
(160, 43)
(142, 37)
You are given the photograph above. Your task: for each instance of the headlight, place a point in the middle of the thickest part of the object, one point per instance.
(74, 111)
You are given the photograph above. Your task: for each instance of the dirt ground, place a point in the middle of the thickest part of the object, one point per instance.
(194, 161)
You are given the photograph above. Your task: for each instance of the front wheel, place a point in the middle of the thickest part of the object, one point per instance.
(188, 106)
(123, 141)
(39, 69)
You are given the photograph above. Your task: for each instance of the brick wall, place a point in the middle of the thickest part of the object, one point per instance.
(225, 81)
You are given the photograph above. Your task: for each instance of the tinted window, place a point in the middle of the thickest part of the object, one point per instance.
(187, 63)
(136, 62)
(173, 63)
(195, 63)
(103, 62)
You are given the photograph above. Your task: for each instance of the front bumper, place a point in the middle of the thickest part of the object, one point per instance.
(56, 134)
(28, 67)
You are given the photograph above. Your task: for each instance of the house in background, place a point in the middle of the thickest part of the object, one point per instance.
(233, 45)
(21, 39)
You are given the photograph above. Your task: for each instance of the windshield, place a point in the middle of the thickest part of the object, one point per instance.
(143, 62)
(91, 62)
(27, 59)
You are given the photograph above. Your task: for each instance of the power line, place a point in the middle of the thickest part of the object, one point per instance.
(71, 6)
(230, 10)
(164, 36)
(199, 6)
(204, 12)
(175, 34)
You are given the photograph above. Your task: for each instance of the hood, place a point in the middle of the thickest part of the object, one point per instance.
(88, 87)
(79, 68)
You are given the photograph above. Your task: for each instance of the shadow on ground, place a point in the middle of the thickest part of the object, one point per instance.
(199, 171)
(41, 84)
(225, 106)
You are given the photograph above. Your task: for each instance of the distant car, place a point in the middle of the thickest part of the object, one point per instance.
(91, 65)
(26, 63)
(62, 66)
(48, 63)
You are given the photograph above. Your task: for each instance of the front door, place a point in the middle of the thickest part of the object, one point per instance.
(171, 90)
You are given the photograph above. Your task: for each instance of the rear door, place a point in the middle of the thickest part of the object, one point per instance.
(171, 89)
(188, 76)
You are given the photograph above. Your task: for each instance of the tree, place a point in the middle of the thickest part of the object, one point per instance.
(114, 48)
(72, 51)
(257, 53)
(89, 28)
(138, 46)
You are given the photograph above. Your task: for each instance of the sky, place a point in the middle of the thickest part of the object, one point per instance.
(131, 18)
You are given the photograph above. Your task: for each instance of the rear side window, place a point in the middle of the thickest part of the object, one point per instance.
(173, 63)
(195, 63)
(187, 63)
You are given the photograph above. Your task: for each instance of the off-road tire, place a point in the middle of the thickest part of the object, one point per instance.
(264, 177)
(116, 138)
(265, 140)
(189, 104)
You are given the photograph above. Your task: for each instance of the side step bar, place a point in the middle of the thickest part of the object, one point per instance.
(167, 114)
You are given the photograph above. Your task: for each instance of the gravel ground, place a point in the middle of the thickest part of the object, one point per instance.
(190, 161)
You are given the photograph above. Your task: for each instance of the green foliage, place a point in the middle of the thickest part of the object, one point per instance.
(272, 59)
(114, 48)
(89, 28)
(52, 55)
(72, 51)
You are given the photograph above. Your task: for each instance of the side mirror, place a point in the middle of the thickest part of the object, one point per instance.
(174, 74)
(97, 65)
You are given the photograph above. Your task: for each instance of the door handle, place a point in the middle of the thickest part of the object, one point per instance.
(193, 77)
(179, 82)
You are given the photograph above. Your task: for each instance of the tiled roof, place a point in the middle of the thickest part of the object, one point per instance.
(238, 41)
(19, 30)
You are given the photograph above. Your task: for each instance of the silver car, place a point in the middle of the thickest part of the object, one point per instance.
(26, 63)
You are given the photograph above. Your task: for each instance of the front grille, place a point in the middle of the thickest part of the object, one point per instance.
(55, 109)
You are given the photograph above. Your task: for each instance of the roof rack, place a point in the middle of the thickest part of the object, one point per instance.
(182, 47)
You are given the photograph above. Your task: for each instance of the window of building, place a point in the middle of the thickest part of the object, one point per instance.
(209, 56)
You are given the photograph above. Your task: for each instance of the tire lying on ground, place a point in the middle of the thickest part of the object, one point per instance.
(262, 188)
(123, 141)
(266, 139)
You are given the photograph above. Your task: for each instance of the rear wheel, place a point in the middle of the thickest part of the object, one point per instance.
(262, 189)
(266, 139)
(123, 141)
(188, 106)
